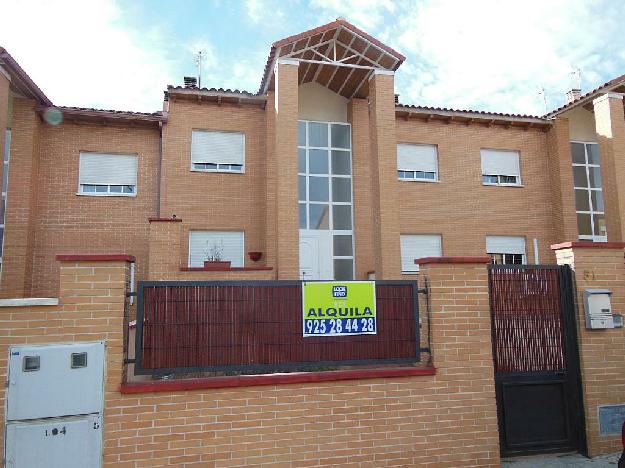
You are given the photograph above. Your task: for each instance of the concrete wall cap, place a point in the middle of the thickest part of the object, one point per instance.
(588, 245)
(605, 96)
(29, 301)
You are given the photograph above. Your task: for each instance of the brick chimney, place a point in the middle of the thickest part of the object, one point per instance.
(573, 95)
(190, 82)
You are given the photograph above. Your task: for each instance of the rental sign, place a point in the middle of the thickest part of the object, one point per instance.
(339, 308)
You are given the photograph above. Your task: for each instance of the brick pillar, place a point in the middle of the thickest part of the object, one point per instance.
(561, 179)
(385, 190)
(598, 266)
(358, 116)
(165, 248)
(610, 126)
(460, 330)
(285, 149)
(271, 178)
(21, 201)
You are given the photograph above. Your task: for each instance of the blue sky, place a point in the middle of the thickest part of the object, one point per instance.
(478, 54)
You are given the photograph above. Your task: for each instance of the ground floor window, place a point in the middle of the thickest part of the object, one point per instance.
(506, 250)
(415, 246)
(226, 246)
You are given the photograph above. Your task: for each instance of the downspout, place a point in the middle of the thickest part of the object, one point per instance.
(159, 172)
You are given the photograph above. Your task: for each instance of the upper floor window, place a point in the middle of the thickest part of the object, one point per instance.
(228, 246)
(500, 167)
(506, 250)
(213, 151)
(417, 162)
(588, 191)
(102, 174)
(415, 246)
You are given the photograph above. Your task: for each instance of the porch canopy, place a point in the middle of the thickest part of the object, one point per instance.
(337, 55)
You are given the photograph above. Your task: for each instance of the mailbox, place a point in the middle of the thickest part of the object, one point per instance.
(598, 308)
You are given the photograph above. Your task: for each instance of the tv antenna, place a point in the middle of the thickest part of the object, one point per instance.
(576, 78)
(543, 96)
(199, 58)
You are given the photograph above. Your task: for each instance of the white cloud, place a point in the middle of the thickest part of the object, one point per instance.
(362, 13)
(496, 55)
(80, 55)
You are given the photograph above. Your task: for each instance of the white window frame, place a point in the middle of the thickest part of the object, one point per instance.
(6, 159)
(219, 168)
(414, 267)
(589, 190)
(415, 178)
(108, 193)
(217, 232)
(518, 183)
(331, 203)
(503, 253)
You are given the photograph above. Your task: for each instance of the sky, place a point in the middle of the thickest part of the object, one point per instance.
(479, 54)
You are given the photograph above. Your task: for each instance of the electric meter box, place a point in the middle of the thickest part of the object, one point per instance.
(598, 308)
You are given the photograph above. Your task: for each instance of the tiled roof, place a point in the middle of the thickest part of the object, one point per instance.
(214, 90)
(117, 114)
(21, 79)
(471, 111)
(613, 82)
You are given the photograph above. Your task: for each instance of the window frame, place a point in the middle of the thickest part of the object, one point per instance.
(589, 190)
(242, 231)
(518, 183)
(108, 193)
(436, 173)
(218, 169)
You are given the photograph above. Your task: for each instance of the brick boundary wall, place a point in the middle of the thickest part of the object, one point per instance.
(602, 352)
(444, 419)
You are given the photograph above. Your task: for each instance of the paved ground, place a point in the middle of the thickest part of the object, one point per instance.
(561, 461)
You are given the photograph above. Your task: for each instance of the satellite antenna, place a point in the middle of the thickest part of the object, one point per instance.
(199, 57)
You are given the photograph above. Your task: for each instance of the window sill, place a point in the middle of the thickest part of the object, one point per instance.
(427, 181)
(250, 268)
(503, 185)
(123, 195)
(217, 171)
(273, 379)
(412, 272)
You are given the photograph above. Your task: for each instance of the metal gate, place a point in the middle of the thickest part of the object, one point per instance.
(537, 373)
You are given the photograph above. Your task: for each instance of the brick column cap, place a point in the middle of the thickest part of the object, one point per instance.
(95, 258)
(430, 260)
(165, 220)
(588, 245)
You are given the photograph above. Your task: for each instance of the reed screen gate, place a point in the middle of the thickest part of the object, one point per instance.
(536, 359)
(250, 327)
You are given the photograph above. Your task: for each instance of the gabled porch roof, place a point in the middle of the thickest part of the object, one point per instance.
(337, 55)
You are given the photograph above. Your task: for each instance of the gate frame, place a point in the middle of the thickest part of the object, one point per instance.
(574, 403)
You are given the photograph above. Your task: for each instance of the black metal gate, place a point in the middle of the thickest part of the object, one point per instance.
(536, 358)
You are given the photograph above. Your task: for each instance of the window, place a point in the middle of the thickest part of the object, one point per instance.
(506, 250)
(230, 245)
(417, 162)
(500, 167)
(103, 174)
(5, 183)
(415, 246)
(213, 151)
(588, 191)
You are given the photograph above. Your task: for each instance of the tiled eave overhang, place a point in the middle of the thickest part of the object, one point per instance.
(471, 117)
(213, 95)
(104, 116)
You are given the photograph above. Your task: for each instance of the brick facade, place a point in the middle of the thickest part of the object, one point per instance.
(601, 351)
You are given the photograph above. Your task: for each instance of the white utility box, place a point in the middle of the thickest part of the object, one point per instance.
(598, 308)
(70, 442)
(55, 380)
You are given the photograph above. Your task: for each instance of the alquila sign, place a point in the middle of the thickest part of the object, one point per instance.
(339, 308)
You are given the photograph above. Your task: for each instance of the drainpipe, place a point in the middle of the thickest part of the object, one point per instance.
(160, 169)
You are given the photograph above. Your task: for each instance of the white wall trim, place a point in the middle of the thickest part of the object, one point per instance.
(605, 96)
(29, 301)
(379, 71)
(287, 61)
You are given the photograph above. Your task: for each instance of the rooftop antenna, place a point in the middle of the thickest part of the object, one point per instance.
(543, 95)
(576, 78)
(199, 57)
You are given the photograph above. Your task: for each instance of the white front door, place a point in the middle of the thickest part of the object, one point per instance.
(315, 255)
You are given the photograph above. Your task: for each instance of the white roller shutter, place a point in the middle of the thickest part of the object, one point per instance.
(415, 246)
(417, 158)
(505, 244)
(500, 162)
(217, 147)
(231, 244)
(108, 169)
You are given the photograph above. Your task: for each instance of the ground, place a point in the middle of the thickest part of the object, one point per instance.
(561, 461)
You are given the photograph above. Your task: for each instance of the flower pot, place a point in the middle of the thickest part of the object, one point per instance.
(255, 256)
(216, 265)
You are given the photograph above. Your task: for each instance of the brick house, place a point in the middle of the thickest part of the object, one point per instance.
(375, 184)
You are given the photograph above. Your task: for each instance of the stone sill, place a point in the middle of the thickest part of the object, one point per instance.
(273, 379)
(29, 301)
(251, 268)
(588, 245)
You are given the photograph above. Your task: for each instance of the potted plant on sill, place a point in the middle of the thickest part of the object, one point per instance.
(214, 257)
